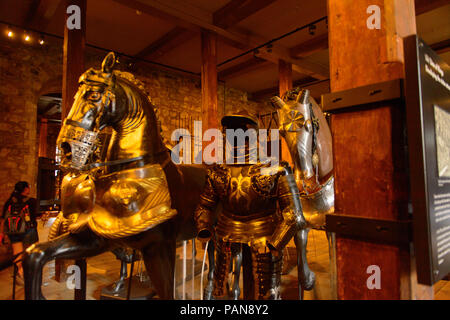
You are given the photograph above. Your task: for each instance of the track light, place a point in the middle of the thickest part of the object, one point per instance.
(9, 32)
(26, 37)
(312, 29)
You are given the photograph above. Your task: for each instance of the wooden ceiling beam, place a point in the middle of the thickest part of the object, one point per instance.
(320, 42)
(299, 65)
(237, 10)
(227, 16)
(32, 11)
(167, 42)
(305, 82)
(309, 47)
(173, 11)
(189, 17)
(41, 13)
(441, 47)
(423, 6)
(251, 64)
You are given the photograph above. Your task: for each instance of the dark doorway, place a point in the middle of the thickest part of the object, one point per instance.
(49, 174)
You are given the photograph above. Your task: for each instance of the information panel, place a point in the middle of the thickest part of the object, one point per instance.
(428, 116)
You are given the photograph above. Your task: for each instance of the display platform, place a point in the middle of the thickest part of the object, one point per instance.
(140, 290)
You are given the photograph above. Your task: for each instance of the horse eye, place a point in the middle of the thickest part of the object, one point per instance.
(94, 96)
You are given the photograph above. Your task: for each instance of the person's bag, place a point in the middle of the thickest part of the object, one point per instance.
(17, 218)
(6, 253)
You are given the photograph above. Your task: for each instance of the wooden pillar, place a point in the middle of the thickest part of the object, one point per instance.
(80, 293)
(43, 138)
(369, 155)
(209, 82)
(73, 68)
(361, 56)
(284, 76)
(285, 84)
(73, 57)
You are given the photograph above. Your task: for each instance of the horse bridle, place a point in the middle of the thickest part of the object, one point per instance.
(145, 159)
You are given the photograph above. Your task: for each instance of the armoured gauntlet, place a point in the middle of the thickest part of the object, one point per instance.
(204, 212)
(291, 210)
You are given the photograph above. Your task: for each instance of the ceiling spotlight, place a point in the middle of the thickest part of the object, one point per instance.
(27, 37)
(312, 29)
(9, 33)
(41, 41)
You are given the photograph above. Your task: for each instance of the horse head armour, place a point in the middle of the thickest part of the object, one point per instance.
(308, 137)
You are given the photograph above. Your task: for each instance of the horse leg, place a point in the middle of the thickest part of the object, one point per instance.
(235, 291)
(211, 261)
(68, 246)
(159, 259)
(120, 284)
(121, 254)
(306, 277)
(247, 273)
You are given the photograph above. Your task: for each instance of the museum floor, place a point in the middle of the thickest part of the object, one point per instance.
(104, 270)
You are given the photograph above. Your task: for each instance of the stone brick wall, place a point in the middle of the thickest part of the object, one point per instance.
(24, 70)
(27, 72)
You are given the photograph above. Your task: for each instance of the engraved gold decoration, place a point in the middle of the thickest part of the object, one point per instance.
(132, 204)
(292, 121)
(119, 204)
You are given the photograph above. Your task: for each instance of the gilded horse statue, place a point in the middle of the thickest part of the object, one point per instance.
(136, 198)
(308, 137)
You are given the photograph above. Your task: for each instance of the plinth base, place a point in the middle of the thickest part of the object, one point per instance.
(139, 290)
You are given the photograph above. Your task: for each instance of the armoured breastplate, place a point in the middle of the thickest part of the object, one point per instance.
(248, 201)
(119, 204)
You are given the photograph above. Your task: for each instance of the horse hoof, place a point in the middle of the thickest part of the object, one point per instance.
(273, 294)
(235, 293)
(207, 294)
(309, 283)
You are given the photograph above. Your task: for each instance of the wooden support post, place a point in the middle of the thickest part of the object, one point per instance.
(73, 57)
(285, 84)
(73, 67)
(209, 82)
(80, 292)
(284, 76)
(368, 144)
(43, 138)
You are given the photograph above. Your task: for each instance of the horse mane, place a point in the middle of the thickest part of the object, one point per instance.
(138, 97)
(291, 94)
(133, 80)
(136, 93)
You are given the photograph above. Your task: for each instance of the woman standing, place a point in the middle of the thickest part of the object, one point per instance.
(22, 210)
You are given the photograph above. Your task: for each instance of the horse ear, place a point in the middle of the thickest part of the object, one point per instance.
(108, 63)
(277, 103)
(303, 97)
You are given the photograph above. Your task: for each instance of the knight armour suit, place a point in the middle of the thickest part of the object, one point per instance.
(260, 214)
